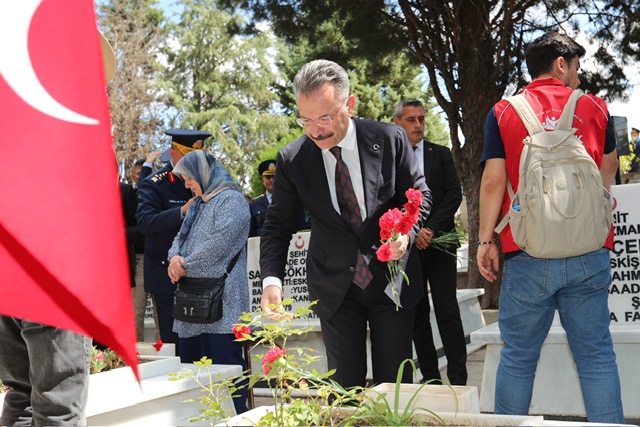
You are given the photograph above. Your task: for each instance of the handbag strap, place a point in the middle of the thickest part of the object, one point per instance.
(232, 264)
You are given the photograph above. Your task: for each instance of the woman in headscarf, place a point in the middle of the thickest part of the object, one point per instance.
(215, 229)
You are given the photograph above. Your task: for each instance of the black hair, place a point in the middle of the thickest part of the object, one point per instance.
(543, 51)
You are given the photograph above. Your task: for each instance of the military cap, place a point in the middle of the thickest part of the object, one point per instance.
(188, 138)
(268, 167)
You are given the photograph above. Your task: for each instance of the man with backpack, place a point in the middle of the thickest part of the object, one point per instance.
(570, 274)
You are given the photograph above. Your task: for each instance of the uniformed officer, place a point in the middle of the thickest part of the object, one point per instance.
(259, 205)
(163, 202)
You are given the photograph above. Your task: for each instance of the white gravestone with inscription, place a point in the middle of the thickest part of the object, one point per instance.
(295, 279)
(624, 293)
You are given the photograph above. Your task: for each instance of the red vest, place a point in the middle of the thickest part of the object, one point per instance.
(547, 98)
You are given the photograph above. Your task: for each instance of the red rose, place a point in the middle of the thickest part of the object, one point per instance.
(384, 253)
(241, 331)
(405, 224)
(414, 196)
(271, 357)
(158, 345)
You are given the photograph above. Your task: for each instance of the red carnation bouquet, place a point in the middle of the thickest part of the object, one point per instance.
(393, 224)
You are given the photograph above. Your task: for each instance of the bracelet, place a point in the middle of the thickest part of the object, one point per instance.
(490, 242)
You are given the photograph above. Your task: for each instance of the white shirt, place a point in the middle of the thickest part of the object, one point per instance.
(419, 152)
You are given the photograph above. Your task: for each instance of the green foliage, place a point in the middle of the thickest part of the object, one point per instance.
(270, 153)
(221, 81)
(104, 360)
(287, 371)
(379, 411)
(473, 53)
(134, 30)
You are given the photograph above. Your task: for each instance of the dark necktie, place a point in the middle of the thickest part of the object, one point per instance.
(350, 211)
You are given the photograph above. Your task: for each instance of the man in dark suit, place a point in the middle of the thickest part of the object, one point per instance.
(259, 205)
(373, 163)
(163, 202)
(439, 268)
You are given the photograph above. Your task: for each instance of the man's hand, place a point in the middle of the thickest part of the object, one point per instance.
(424, 238)
(272, 296)
(399, 247)
(153, 156)
(488, 261)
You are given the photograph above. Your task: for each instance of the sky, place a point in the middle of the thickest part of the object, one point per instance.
(629, 109)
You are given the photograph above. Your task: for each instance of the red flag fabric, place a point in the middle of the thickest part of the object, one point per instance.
(62, 241)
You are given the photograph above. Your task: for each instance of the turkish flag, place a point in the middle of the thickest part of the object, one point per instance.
(63, 255)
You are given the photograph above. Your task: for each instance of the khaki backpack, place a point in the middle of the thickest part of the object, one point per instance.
(561, 208)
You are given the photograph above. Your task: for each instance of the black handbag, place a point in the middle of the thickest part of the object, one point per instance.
(200, 300)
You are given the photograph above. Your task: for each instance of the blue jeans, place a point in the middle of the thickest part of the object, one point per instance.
(532, 288)
(47, 370)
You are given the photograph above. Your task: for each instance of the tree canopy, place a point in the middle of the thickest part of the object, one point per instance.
(472, 51)
(133, 29)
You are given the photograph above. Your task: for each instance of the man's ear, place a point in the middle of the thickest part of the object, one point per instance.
(560, 66)
(351, 105)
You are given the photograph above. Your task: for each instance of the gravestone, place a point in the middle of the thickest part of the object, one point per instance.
(294, 285)
(624, 293)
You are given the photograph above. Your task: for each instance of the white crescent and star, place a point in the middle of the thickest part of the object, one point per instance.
(16, 67)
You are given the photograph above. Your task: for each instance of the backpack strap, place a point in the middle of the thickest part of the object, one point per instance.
(522, 107)
(566, 119)
(526, 113)
(505, 219)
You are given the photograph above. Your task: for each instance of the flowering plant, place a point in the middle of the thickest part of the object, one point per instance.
(393, 224)
(302, 396)
(104, 360)
(285, 369)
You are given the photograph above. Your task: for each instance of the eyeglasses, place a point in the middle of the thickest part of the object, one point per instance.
(323, 121)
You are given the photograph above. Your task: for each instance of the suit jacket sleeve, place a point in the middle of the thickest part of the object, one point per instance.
(151, 216)
(280, 224)
(144, 172)
(448, 196)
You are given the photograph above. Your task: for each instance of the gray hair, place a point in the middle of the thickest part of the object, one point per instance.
(314, 75)
(406, 102)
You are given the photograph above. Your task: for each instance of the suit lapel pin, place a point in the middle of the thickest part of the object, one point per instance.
(376, 147)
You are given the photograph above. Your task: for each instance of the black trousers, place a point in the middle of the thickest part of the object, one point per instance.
(439, 271)
(345, 336)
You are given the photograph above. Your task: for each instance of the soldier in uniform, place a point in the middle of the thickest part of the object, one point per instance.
(259, 205)
(163, 202)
